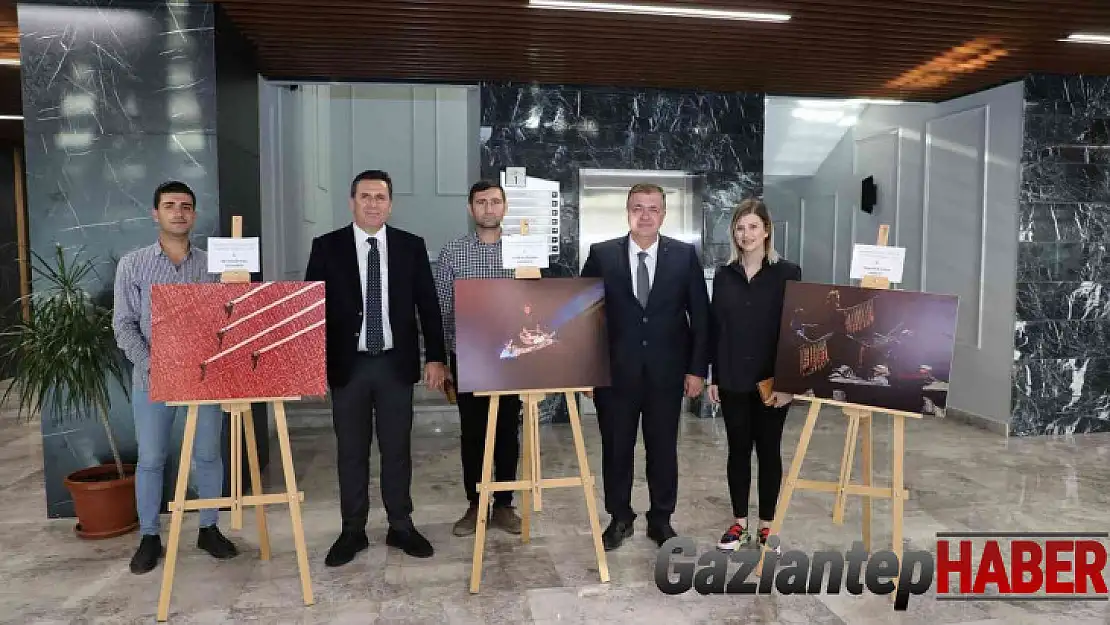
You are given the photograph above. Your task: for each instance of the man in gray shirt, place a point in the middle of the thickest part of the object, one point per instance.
(478, 255)
(171, 259)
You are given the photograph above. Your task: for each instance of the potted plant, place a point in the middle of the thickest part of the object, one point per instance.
(64, 356)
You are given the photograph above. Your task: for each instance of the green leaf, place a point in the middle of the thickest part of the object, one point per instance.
(65, 353)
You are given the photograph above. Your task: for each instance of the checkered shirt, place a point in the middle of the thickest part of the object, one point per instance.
(464, 258)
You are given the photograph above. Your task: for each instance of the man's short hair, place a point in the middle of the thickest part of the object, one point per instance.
(173, 186)
(647, 187)
(373, 174)
(484, 185)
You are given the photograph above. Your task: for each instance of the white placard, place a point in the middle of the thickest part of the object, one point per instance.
(516, 177)
(231, 254)
(878, 260)
(524, 251)
(536, 201)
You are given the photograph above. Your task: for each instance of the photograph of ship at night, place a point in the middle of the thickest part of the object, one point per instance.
(530, 334)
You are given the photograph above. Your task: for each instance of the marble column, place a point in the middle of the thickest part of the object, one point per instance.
(1061, 375)
(119, 97)
(553, 130)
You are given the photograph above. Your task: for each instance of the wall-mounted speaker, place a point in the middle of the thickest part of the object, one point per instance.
(869, 195)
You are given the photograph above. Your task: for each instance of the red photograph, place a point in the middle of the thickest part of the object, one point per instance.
(216, 341)
(531, 334)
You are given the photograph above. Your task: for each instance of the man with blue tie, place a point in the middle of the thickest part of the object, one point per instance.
(378, 282)
(657, 318)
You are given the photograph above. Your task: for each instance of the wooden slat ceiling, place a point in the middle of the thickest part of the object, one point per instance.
(905, 49)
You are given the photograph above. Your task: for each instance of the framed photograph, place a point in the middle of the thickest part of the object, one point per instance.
(214, 341)
(514, 335)
(873, 347)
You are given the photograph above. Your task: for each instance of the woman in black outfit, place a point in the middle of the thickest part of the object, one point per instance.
(747, 308)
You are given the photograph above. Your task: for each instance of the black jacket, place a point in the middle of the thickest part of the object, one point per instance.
(412, 293)
(746, 321)
(670, 338)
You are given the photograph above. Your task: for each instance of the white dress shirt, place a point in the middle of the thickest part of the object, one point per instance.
(362, 248)
(634, 250)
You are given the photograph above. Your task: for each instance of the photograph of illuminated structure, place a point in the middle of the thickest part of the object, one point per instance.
(530, 334)
(887, 349)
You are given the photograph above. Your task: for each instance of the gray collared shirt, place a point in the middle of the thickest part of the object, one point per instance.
(135, 274)
(464, 258)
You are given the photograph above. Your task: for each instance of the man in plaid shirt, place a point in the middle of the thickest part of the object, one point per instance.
(478, 255)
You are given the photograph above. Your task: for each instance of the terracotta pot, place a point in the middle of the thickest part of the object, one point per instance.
(105, 504)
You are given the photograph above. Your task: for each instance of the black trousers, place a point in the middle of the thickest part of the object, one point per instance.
(748, 423)
(473, 418)
(375, 398)
(619, 412)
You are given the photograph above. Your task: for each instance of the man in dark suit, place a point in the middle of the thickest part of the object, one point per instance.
(377, 281)
(657, 317)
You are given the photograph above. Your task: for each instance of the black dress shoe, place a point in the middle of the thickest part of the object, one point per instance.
(216, 544)
(410, 541)
(147, 555)
(346, 547)
(660, 532)
(616, 533)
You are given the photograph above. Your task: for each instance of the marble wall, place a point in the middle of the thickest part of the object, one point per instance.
(117, 98)
(1061, 377)
(553, 130)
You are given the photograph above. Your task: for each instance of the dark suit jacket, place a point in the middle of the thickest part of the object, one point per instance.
(412, 292)
(670, 338)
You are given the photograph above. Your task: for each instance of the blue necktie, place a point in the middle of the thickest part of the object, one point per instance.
(375, 336)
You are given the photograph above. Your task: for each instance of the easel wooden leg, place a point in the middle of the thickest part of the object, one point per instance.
(256, 485)
(177, 511)
(294, 500)
(792, 476)
(846, 462)
(898, 494)
(484, 495)
(587, 487)
(867, 477)
(236, 469)
(527, 468)
(537, 467)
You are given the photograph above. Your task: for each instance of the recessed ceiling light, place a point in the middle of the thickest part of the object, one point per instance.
(9, 61)
(655, 9)
(11, 117)
(1088, 38)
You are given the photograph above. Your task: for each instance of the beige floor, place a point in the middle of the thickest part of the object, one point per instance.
(960, 478)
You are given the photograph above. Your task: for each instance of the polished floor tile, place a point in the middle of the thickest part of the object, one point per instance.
(960, 479)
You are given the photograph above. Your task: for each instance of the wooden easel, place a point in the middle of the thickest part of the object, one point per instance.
(532, 484)
(858, 415)
(242, 424)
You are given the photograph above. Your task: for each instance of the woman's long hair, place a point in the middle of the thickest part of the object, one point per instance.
(753, 206)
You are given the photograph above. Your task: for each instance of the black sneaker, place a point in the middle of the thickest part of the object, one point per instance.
(410, 541)
(216, 544)
(735, 537)
(147, 555)
(764, 532)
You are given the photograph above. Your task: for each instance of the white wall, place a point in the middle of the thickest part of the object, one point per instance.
(318, 137)
(785, 198)
(945, 172)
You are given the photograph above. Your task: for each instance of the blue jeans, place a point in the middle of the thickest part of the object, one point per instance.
(153, 429)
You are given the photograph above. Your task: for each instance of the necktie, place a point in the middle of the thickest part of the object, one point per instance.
(643, 284)
(375, 339)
